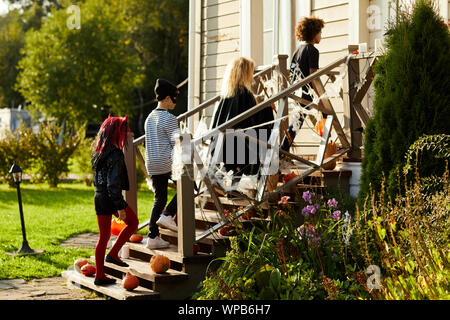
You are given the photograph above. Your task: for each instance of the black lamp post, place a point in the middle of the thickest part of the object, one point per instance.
(16, 173)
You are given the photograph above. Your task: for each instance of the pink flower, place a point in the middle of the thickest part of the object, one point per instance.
(284, 201)
(281, 213)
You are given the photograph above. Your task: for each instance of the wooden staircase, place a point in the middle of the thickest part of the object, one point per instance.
(202, 215)
(185, 273)
(179, 282)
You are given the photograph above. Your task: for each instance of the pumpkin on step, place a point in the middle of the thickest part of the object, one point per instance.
(136, 238)
(88, 269)
(79, 263)
(130, 282)
(330, 150)
(159, 263)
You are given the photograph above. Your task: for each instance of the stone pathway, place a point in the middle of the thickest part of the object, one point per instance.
(55, 288)
(43, 289)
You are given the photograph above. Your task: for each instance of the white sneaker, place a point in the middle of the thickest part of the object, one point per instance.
(156, 243)
(167, 222)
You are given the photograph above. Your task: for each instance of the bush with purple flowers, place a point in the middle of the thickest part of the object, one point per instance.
(299, 254)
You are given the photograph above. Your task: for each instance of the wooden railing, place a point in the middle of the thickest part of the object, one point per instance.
(350, 140)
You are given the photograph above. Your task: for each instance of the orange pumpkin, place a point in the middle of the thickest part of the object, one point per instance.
(79, 263)
(136, 237)
(320, 125)
(159, 263)
(117, 226)
(331, 150)
(130, 282)
(88, 270)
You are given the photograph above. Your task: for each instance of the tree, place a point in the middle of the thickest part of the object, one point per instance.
(75, 74)
(412, 96)
(159, 32)
(13, 27)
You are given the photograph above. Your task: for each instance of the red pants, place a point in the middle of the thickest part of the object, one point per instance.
(104, 226)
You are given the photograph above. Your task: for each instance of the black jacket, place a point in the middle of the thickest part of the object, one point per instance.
(110, 178)
(229, 108)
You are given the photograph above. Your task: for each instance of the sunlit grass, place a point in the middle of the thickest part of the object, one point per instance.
(51, 216)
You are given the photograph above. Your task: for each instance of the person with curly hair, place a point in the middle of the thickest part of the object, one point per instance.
(305, 60)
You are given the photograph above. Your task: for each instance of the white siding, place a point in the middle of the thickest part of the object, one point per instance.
(220, 43)
(335, 34)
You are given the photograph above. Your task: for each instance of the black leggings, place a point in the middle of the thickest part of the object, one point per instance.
(160, 184)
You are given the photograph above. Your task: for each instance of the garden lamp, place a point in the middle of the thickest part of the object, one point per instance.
(16, 173)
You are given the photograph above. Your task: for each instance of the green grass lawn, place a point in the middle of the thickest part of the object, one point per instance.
(51, 216)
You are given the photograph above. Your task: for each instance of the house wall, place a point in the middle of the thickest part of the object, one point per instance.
(220, 43)
(229, 28)
(10, 120)
(335, 35)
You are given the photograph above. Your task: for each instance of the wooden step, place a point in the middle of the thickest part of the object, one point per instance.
(142, 270)
(171, 252)
(207, 245)
(113, 290)
(229, 203)
(177, 287)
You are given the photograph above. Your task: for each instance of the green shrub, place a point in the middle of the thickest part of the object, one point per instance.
(15, 147)
(428, 150)
(287, 259)
(412, 95)
(52, 147)
(80, 162)
(409, 241)
(329, 255)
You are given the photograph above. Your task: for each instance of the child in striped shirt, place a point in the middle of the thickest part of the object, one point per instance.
(160, 130)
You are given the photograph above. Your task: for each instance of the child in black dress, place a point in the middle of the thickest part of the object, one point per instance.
(110, 178)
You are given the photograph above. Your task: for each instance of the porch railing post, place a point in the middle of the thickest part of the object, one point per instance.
(283, 75)
(185, 198)
(130, 161)
(351, 119)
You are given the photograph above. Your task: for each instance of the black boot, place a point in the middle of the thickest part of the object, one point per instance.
(102, 282)
(116, 262)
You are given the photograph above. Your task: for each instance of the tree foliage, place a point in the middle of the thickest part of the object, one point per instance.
(74, 73)
(13, 27)
(109, 65)
(159, 32)
(412, 95)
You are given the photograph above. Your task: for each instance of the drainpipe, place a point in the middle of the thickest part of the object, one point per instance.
(276, 22)
(194, 59)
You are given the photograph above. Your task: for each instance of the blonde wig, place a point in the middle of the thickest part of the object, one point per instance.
(238, 74)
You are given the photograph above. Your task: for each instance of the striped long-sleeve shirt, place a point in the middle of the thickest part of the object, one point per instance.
(160, 129)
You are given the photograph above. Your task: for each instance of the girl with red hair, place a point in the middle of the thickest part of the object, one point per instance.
(110, 178)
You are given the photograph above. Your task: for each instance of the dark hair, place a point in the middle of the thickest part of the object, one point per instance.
(112, 132)
(308, 28)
